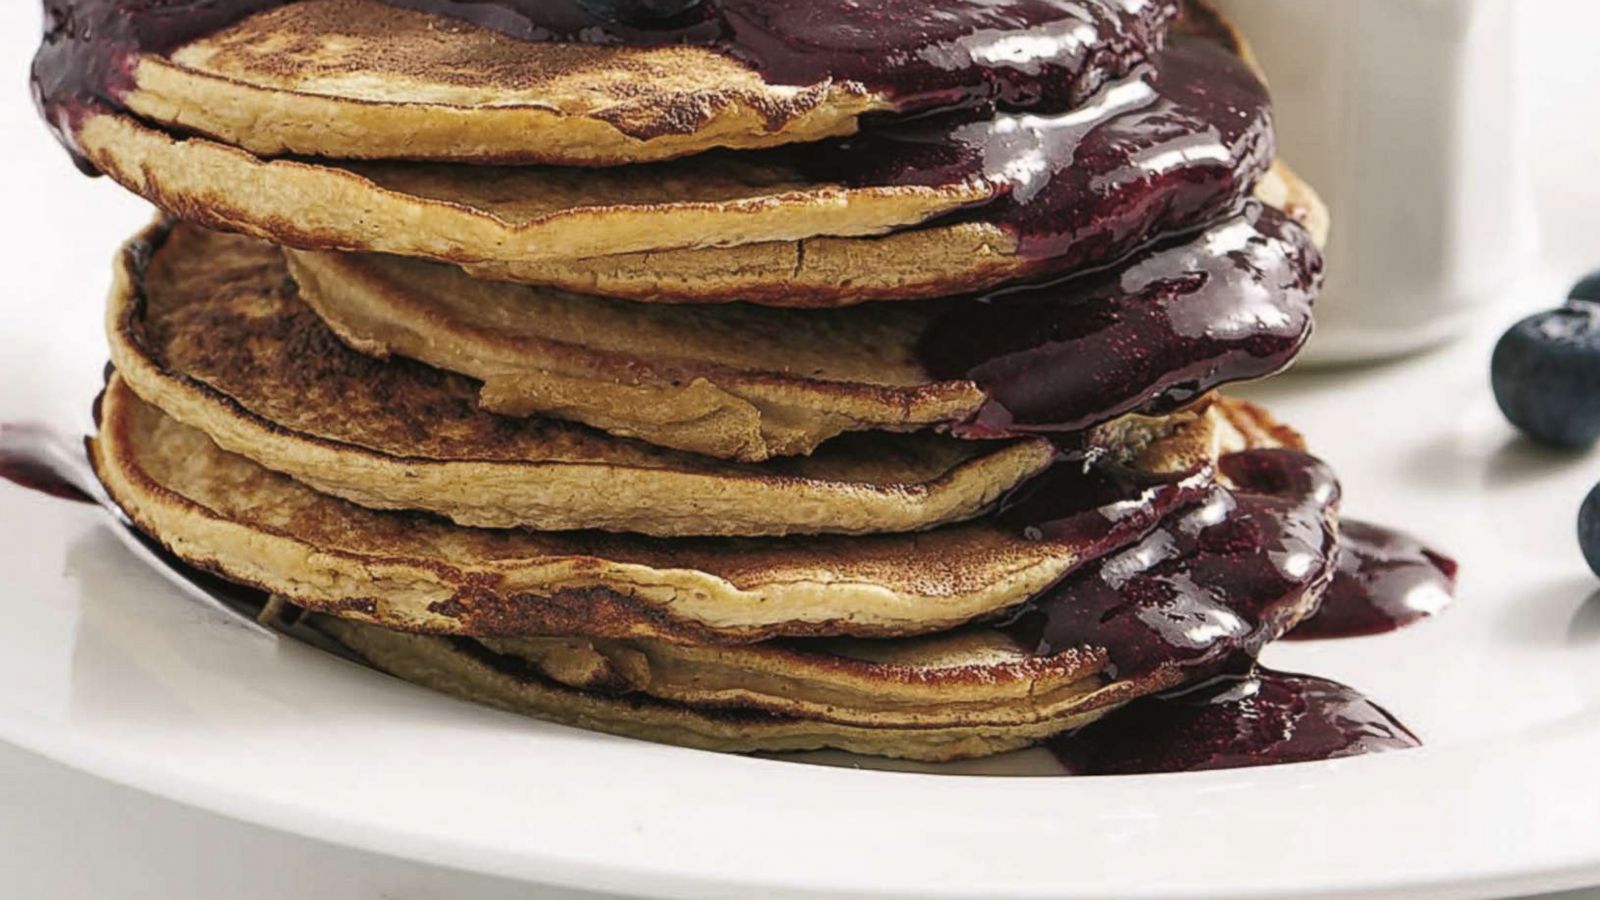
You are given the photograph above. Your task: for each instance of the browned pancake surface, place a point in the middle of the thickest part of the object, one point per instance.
(361, 79)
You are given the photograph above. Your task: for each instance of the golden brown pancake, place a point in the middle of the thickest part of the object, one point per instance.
(476, 214)
(932, 261)
(209, 327)
(734, 381)
(465, 671)
(224, 513)
(358, 79)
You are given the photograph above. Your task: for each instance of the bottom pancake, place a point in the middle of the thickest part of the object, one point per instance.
(1214, 583)
(457, 667)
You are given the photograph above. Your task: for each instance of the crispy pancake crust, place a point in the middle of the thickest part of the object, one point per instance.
(209, 327)
(478, 214)
(463, 671)
(227, 514)
(358, 79)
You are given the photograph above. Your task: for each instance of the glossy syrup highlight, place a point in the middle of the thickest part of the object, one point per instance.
(1215, 581)
(1157, 331)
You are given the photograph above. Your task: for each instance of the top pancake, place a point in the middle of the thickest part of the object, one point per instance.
(359, 79)
(1120, 190)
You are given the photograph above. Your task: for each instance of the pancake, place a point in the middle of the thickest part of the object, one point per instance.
(949, 257)
(209, 327)
(471, 214)
(1075, 188)
(226, 514)
(916, 264)
(360, 79)
(751, 383)
(1223, 578)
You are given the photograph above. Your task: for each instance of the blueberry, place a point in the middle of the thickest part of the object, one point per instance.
(1546, 373)
(1589, 529)
(637, 12)
(1588, 288)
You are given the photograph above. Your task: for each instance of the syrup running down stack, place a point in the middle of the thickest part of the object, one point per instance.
(739, 374)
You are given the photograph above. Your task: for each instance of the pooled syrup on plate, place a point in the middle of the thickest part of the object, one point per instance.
(1233, 721)
(1386, 580)
(1047, 54)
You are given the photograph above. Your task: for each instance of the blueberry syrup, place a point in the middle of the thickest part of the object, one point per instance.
(1179, 319)
(1234, 721)
(1216, 574)
(1046, 54)
(1171, 147)
(1386, 580)
(1213, 582)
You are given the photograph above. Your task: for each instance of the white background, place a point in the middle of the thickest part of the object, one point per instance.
(65, 835)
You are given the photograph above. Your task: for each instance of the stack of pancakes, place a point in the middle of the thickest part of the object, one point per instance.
(639, 385)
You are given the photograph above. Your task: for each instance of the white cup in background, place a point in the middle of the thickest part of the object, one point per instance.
(1401, 114)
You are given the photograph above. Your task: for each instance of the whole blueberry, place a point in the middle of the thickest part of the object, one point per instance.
(1588, 288)
(637, 12)
(1546, 373)
(1589, 529)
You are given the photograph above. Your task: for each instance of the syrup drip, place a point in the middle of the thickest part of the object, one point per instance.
(1046, 54)
(1214, 582)
(1234, 721)
(1386, 580)
(1149, 335)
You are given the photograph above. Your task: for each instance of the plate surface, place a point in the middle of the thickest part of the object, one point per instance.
(108, 668)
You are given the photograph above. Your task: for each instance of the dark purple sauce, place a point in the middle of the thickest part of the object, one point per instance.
(1049, 54)
(1386, 580)
(1095, 503)
(1214, 582)
(1234, 721)
(1169, 148)
(25, 462)
(1183, 317)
